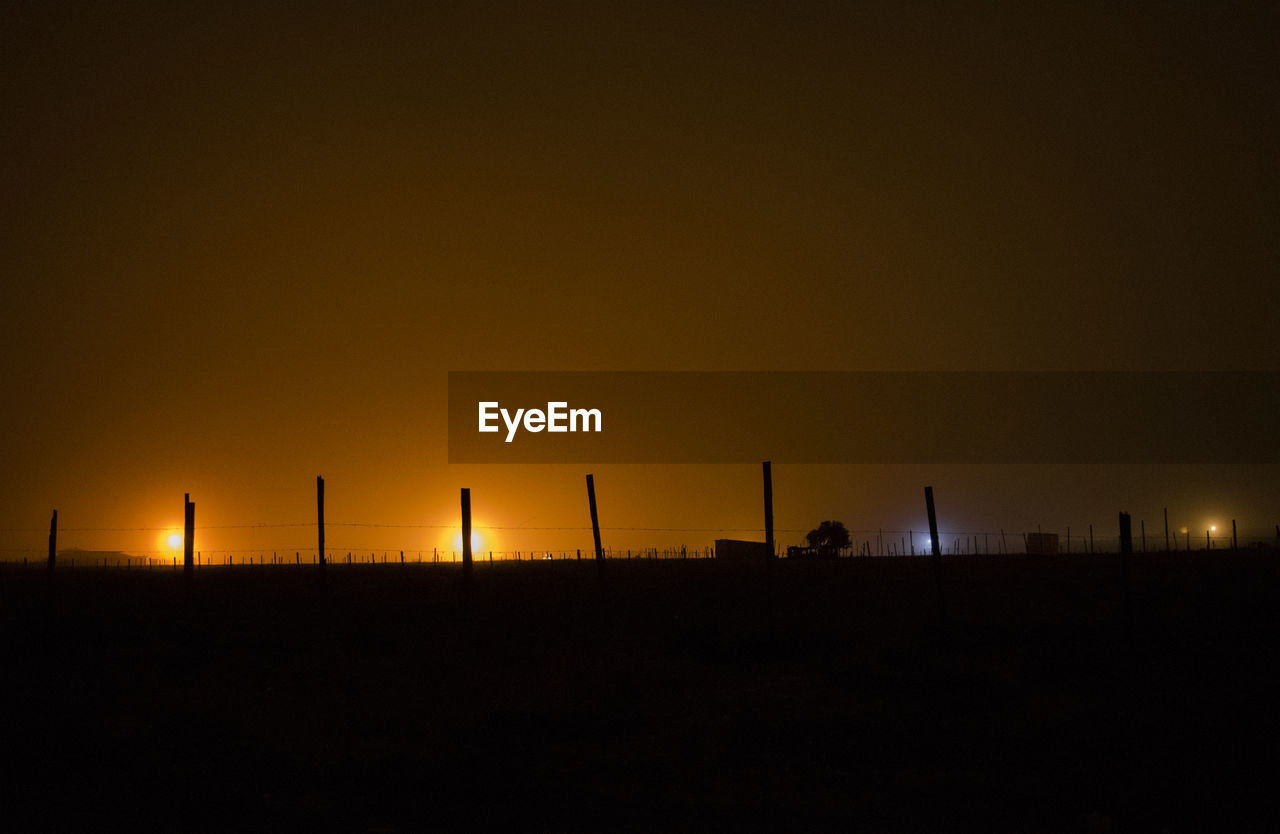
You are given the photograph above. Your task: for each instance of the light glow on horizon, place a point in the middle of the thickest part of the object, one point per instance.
(477, 541)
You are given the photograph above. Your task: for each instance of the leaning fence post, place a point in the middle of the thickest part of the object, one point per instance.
(53, 543)
(595, 532)
(937, 554)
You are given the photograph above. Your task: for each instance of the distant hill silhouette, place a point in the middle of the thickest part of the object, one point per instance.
(95, 557)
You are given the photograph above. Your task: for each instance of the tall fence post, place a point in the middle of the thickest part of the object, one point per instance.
(768, 508)
(595, 533)
(320, 517)
(1234, 542)
(1166, 529)
(53, 542)
(188, 534)
(595, 517)
(767, 470)
(466, 549)
(937, 554)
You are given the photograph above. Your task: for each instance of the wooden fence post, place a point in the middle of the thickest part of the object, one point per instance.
(53, 543)
(320, 518)
(937, 555)
(466, 549)
(1166, 529)
(768, 508)
(767, 471)
(595, 518)
(188, 535)
(595, 534)
(1234, 542)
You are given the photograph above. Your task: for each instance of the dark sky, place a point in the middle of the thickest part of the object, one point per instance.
(243, 244)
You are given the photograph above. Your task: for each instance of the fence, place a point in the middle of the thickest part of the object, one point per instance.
(866, 543)
(863, 543)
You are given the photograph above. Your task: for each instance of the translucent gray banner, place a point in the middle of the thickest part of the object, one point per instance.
(863, 417)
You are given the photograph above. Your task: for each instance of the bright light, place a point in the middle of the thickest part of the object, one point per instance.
(476, 541)
(1213, 528)
(175, 541)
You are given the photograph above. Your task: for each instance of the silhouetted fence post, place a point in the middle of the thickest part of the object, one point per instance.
(53, 543)
(320, 517)
(1166, 529)
(937, 554)
(1143, 522)
(466, 549)
(768, 508)
(595, 531)
(188, 534)
(767, 468)
(1234, 543)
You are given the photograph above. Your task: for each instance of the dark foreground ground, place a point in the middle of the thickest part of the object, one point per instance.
(262, 698)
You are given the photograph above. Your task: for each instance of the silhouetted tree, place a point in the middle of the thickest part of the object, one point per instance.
(829, 536)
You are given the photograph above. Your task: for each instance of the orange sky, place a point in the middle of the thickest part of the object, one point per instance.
(243, 245)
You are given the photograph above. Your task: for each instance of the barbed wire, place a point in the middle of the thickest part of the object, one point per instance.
(388, 526)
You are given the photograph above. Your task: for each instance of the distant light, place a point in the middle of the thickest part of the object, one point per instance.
(175, 541)
(1213, 528)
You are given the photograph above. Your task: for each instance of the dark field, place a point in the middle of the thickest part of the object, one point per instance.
(264, 698)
